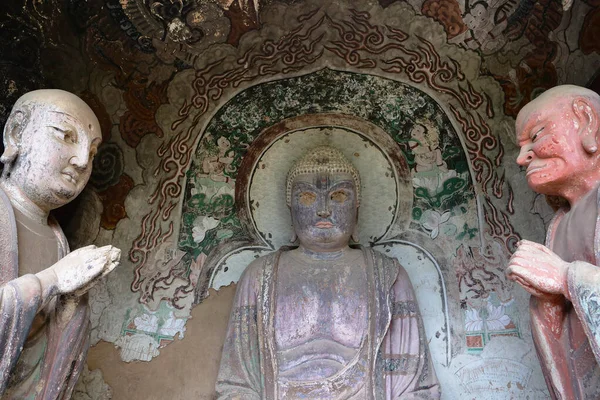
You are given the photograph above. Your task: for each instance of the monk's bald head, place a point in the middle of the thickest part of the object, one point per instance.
(40, 102)
(59, 100)
(50, 140)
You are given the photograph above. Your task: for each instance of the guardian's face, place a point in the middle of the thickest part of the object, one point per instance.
(551, 149)
(324, 210)
(55, 155)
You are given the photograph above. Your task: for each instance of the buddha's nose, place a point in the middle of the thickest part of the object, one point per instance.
(324, 213)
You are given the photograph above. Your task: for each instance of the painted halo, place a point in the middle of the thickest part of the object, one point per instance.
(386, 193)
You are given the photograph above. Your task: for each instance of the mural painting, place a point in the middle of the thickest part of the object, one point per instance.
(186, 93)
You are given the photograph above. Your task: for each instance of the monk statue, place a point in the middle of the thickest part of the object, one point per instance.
(324, 320)
(50, 139)
(559, 134)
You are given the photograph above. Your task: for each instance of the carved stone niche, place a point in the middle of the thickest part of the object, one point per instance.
(384, 215)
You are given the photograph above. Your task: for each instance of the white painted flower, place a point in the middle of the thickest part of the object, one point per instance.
(497, 320)
(225, 190)
(147, 323)
(173, 326)
(198, 189)
(433, 182)
(432, 220)
(202, 225)
(473, 321)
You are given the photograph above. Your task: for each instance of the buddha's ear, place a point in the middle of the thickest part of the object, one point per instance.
(355, 236)
(589, 123)
(13, 132)
(294, 238)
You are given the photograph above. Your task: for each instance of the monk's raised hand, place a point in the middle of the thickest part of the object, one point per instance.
(539, 270)
(78, 271)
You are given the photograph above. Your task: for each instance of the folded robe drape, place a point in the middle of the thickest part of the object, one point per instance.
(400, 366)
(576, 342)
(56, 353)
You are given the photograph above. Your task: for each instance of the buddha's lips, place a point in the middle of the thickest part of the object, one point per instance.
(324, 225)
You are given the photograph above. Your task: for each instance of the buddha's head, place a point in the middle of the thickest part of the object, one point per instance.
(50, 140)
(323, 193)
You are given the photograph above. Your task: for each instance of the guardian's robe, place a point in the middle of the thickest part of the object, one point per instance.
(570, 355)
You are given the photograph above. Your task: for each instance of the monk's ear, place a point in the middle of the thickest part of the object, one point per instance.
(13, 131)
(589, 123)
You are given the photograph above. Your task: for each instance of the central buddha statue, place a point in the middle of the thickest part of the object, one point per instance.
(324, 320)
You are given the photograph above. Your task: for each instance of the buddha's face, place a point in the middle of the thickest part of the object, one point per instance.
(55, 153)
(324, 210)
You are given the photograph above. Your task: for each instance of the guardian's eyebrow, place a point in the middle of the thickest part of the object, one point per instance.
(535, 132)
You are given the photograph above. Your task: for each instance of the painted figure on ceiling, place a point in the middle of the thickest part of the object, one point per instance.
(325, 321)
(50, 139)
(425, 146)
(559, 134)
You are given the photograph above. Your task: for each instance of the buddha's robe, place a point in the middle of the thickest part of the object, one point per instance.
(392, 362)
(44, 340)
(570, 355)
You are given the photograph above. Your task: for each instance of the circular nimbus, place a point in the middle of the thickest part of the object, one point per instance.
(380, 192)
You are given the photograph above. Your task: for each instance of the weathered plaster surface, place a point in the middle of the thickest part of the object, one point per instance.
(91, 386)
(166, 86)
(460, 212)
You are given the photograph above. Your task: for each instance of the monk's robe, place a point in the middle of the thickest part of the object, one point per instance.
(44, 338)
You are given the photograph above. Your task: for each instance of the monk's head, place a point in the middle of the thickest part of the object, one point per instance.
(558, 133)
(50, 139)
(323, 193)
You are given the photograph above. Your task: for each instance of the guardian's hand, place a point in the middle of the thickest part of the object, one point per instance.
(539, 270)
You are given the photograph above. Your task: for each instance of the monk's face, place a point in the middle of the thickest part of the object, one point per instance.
(56, 151)
(551, 149)
(324, 210)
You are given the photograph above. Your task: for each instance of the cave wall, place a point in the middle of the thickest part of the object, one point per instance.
(190, 95)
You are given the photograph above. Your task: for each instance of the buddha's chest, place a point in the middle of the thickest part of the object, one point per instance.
(321, 302)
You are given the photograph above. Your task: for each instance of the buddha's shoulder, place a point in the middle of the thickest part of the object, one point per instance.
(381, 258)
(388, 267)
(259, 265)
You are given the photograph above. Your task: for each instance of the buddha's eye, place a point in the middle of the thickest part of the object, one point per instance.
(339, 196)
(307, 198)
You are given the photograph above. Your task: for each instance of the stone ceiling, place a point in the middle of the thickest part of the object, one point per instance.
(526, 45)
